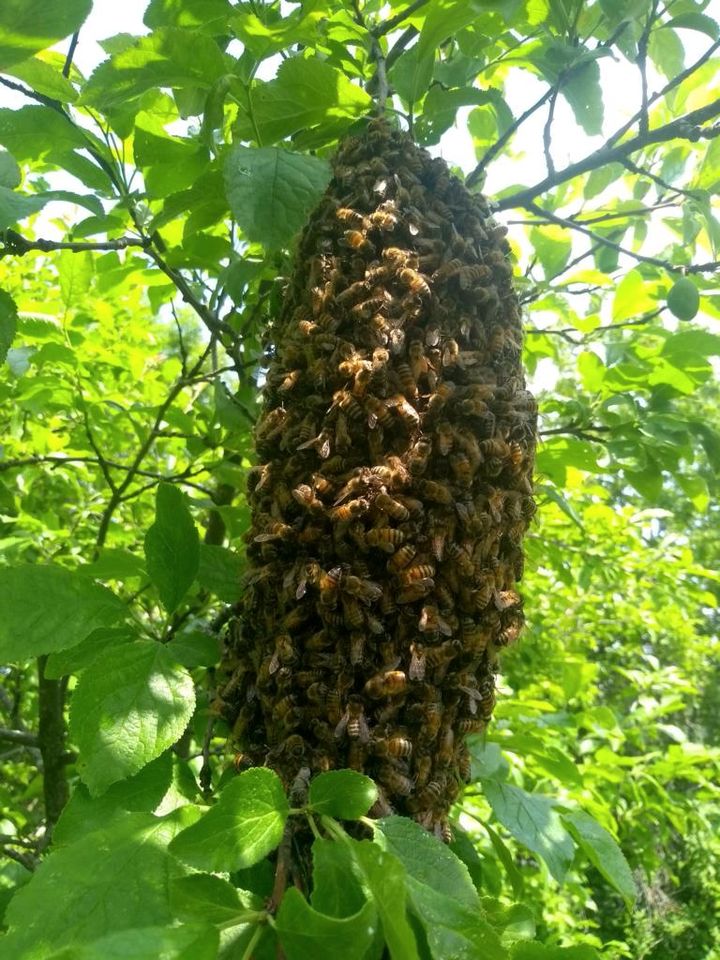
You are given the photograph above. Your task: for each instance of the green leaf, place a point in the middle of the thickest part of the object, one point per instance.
(532, 819)
(44, 78)
(63, 662)
(553, 247)
(306, 934)
(344, 794)
(172, 546)
(336, 889)
(168, 163)
(304, 93)
(271, 190)
(385, 878)
(195, 648)
(46, 608)
(427, 860)
(219, 571)
(75, 272)
(539, 951)
(130, 704)
(27, 26)
(445, 18)
(683, 300)
(583, 92)
(244, 826)
(16, 206)
(208, 15)
(695, 21)
(204, 896)
(441, 892)
(631, 297)
(169, 57)
(32, 133)
(141, 793)
(603, 852)
(112, 879)
(8, 322)
(10, 175)
(454, 931)
(192, 942)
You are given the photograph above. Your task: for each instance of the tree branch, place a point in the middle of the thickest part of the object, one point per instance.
(70, 54)
(682, 128)
(654, 261)
(51, 741)
(14, 244)
(18, 736)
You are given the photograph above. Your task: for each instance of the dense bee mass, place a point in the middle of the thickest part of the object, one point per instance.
(396, 447)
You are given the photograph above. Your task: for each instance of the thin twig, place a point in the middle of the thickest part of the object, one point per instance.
(670, 85)
(547, 134)
(389, 25)
(683, 127)
(14, 244)
(70, 54)
(655, 261)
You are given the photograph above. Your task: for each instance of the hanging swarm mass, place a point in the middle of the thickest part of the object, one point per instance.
(396, 446)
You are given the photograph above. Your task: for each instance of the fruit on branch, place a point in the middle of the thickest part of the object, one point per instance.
(396, 448)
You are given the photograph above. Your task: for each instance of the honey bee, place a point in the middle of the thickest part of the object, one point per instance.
(353, 722)
(360, 371)
(442, 396)
(415, 590)
(418, 662)
(432, 795)
(417, 572)
(357, 241)
(462, 468)
(391, 507)
(387, 683)
(469, 725)
(406, 411)
(285, 712)
(396, 746)
(437, 492)
(352, 613)
(386, 538)
(348, 404)
(473, 274)
(440, 656)
(432, 622)
(382, 806)
(275, 531)
(329, 583)
(444, 438)
(365, 590)
(350, 510)
(392, 473)
(400, 259)
(305, 496)
(395, 781)
(378, 411)
(419, 456)
(357, 647)
(401, 558)
(352, 217)
(285, 653)
(383, 218)
(407, 380)
(464, 764)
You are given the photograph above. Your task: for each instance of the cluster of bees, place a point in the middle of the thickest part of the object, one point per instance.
(396, 447)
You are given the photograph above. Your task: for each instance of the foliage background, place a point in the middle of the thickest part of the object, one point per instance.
(133, 314)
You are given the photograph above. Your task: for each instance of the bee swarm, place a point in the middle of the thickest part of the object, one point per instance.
(397, 442)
